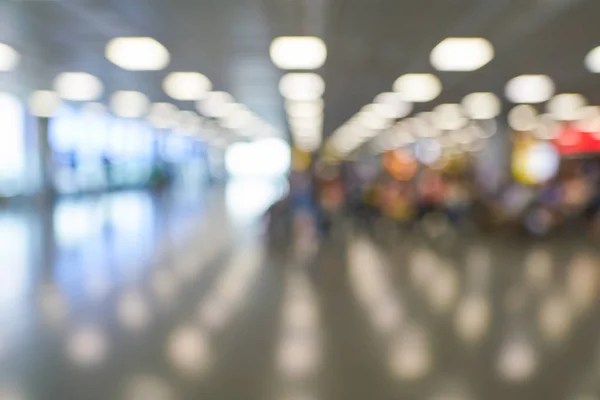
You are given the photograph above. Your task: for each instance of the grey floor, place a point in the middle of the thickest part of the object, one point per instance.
(180, 296)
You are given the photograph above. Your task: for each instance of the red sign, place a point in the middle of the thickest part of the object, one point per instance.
(572, 141)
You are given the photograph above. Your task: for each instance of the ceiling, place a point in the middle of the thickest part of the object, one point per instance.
(370, 43)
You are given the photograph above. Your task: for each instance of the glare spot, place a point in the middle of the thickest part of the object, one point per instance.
(9, 58)
(472, 318)
(392, 106)
(129, 104)
(299, 53)
(78, 86)
(530, 89)
(592, 60)
(188, 351)
(133, 312)
(522, 118)
(448, 117)
(517, 361)
(301, 86)
(418, 88)
(186, 86)
(481, 106)
(44, 103)
(541, 162)
(410, 356)
(148, 388)
(461, 54)
(87, 346)
(137, 53)
(566, 106)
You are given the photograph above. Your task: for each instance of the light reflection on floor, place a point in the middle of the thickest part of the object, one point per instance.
(162, 298)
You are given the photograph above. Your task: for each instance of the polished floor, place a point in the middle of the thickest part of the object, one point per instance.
(133, 295)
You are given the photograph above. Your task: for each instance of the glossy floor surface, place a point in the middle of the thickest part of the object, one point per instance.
(182, 295)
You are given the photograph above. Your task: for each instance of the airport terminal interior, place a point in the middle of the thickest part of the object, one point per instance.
(299, 199)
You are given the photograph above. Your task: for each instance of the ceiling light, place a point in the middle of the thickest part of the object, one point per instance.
(238, 118)
(306, 123)
(129, 104)
(530, 89)
(301, 86)
(392, 105)
(369, 118)
(304, 109)
(592, 60)
(137, 53)
(523, 118)
(448, 117)
(481, 105)
(298, 52)
(162, 115)
(78, 86)
(9, 58)
(566, 106)
(44, 103)
(462, 54)
(186, 86)
(215, 104)
(418, 88)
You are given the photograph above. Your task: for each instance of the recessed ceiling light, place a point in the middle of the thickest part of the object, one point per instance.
(391, 105)
(448, 117)
(78, 86)
(523, 118)
(301, 86)
(592, 60)
(44, 103)
(566, 106)
(137, 53)
(418, 88)
(298, 52)
(9, 58)
(462, 54)
(304, 109)
(215, 104)
(481, 105)
(187, 86)
(530, 89)
(129, 104)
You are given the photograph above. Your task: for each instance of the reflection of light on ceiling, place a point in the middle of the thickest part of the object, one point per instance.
(186, 86)
(522, 118)
(461, 54)
(133, 312)
(410, 356)
(216, 104)
(481, 105)
(188, 350)
(44, 103)
(129, 104)
(592, 60)
(305, 52)
(9, 58)
(87, 346)
(392, 106)
(541, 162)
(472, 318)
(148, 388)
(517, 361)
(529, 89)
(78, 86)
(418, 88)
(137, 53)
(301, 86)
(566, 106)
